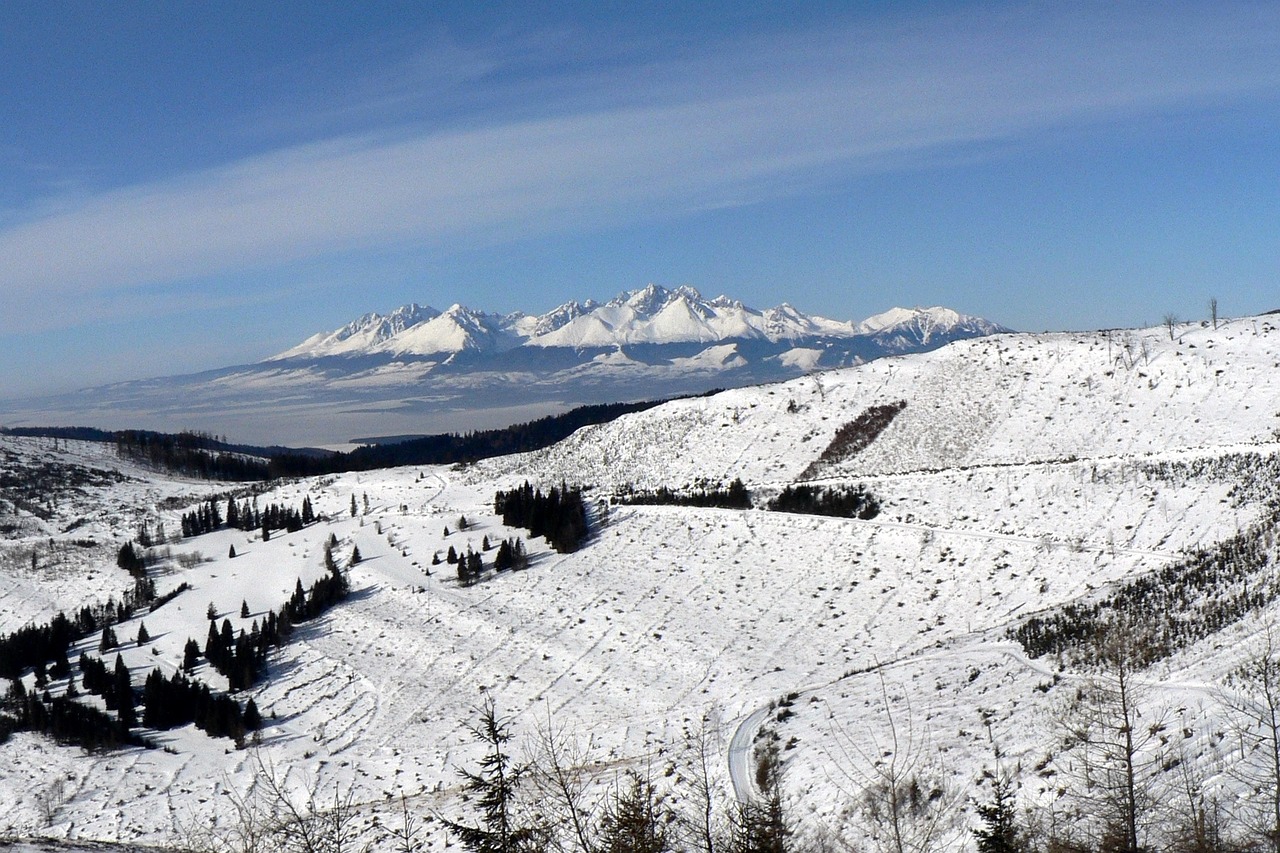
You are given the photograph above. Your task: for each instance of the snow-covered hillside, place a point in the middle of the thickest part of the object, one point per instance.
(1024, 472)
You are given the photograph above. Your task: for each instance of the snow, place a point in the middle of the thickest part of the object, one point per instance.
(1025, 471)
(652, 315)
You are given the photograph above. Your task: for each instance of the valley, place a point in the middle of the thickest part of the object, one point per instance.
(1018, 474)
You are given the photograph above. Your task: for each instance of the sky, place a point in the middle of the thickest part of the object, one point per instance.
(191, 185)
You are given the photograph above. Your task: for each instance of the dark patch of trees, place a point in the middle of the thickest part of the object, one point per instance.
(845, 502)
(129, 559)
(192, 454)
(855, 436)
(511, 555)
(178, 700)
(560, 515)
(68, 721)
(734, 496)
(36, 644)
(246, 516)
(1180, 603)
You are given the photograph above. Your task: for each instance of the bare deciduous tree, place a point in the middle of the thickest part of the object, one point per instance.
(1119, 742)
(1256, 709)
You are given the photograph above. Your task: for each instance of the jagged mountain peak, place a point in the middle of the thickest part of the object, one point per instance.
(923, 325)
(653, 315)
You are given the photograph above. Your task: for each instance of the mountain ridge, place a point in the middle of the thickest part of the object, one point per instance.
(650, 315)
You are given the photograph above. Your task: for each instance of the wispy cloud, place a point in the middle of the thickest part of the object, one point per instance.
(638, 139)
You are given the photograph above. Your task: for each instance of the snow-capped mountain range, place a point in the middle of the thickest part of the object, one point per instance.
(653, 315)
(419, 371)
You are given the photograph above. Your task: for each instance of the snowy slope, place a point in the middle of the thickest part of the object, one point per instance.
(1024, 472)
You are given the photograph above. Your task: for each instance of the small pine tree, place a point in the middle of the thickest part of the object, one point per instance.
(231, 554)
(999, 830)
(244, 609)
(355, 555)
(353, 506)
(252, 717)
(143, 636)
(108, 640)
(494, 787)
(211, 612)
(462, 522)
(190, 655)
(635, 821)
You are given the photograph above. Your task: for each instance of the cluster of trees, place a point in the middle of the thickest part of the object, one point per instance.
(560, 515)
(1183, 602)
(34, 645)
(733, 496)
(193, 454)
(131, 560)
(855, 436)
(113, 686)
(178, 700)
(66, 720)
(511, 555)
(242, 659)
(247, 516)
(470, 564)
(845, 502)
(167, 702)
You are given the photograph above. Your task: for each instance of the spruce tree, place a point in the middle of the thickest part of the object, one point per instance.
(190, 655)
(244, 609)
(494, 788)
(999, 830)
(635, 821)
(143, 636)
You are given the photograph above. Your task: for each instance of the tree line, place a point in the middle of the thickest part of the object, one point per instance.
(201, 455)
(246, 515)
(733, 496)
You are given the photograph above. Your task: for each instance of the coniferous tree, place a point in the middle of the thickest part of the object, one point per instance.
(123, 692)
(635, 821)
(252, 717)
(244, 609)
(143, 636)
(190, 655)
(999, 830)
(494, 787)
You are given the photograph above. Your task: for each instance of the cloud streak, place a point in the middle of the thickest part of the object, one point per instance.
(745, 121)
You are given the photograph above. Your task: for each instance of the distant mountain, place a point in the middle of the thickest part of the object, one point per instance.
(653, 315)
(418, 370)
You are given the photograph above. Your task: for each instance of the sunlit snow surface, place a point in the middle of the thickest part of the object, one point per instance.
(1017, 477)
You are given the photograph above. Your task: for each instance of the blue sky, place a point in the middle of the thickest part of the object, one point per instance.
(192, 185)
